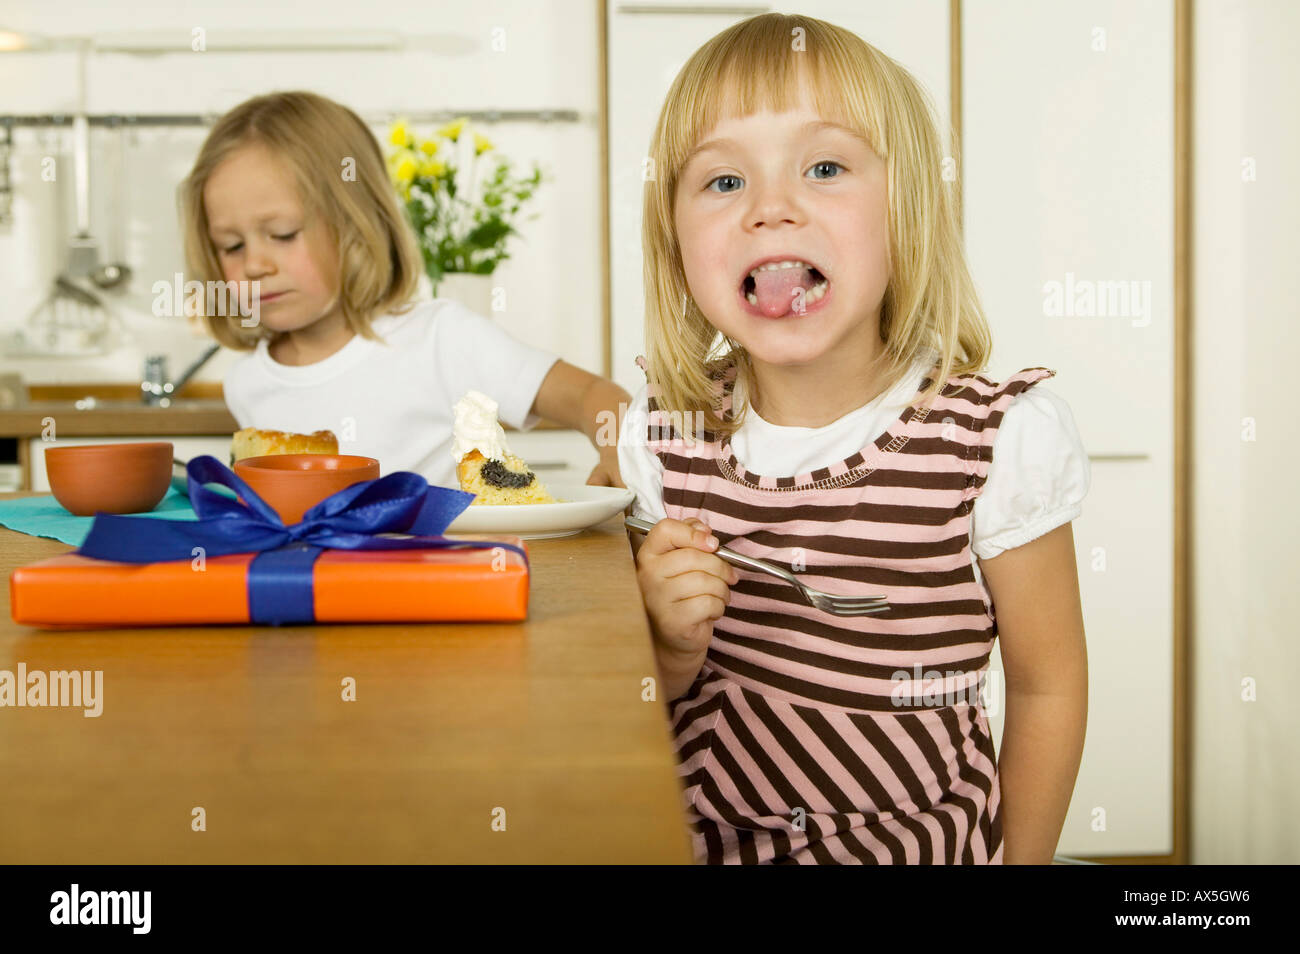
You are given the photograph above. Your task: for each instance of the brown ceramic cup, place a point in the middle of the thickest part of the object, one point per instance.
(292, 484)
(114, 478)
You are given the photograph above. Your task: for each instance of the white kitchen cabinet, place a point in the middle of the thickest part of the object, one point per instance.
(1069, 179)
(1123, 798)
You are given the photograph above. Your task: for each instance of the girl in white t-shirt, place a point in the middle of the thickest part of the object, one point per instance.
(290, 196)
(814, 399)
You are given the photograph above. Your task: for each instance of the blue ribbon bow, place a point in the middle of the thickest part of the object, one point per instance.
(280, 577)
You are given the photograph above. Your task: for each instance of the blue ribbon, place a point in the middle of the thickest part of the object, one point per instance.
(280, 577)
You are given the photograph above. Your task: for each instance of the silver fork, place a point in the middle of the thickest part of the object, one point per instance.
(826, 602)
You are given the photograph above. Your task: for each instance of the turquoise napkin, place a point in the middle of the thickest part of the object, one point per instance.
(44, 517)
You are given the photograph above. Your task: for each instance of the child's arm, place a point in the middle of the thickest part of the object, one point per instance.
(1035, 591)
(581, 400)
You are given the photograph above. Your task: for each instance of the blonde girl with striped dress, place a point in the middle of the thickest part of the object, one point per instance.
(813, 398)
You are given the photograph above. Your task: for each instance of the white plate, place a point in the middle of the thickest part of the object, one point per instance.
(583, 506)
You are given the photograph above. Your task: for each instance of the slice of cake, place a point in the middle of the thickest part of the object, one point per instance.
(252, 442)
(484, 464)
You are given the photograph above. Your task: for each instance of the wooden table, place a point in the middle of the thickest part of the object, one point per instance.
(540, 723)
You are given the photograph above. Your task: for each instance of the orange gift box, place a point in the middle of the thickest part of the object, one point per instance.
(348, 586)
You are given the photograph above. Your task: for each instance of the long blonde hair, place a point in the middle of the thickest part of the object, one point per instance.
(930, 302)
(379, 260)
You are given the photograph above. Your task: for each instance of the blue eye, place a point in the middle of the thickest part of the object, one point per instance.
(827, 165)
(731, 179)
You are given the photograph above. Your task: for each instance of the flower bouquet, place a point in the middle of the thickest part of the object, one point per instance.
(462, 206)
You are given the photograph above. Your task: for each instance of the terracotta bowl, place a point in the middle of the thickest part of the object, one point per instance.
(114, 478)
(292, 484)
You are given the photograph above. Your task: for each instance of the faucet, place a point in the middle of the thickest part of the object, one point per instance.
(156, 390)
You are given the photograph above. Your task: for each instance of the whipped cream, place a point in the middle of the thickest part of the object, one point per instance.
(477, 428)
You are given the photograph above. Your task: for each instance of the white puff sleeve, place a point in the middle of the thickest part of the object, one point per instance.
(1037, 478)
(642, 471)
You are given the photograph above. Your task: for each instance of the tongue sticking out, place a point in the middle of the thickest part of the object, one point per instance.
(777, 290)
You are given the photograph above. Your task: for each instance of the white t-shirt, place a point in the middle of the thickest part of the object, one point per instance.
(393, 401)
(1037, 479)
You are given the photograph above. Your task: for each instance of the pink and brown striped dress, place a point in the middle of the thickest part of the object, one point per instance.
(809, 738)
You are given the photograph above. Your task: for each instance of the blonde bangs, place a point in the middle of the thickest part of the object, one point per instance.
(770, 62)
(758, 72)
(379, 262)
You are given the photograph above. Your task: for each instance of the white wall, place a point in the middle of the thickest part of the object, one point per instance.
(552, 283)
(1245, 756)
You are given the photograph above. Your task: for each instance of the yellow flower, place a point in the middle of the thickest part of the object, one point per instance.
(428, 147)
(406, 170)
(454, 128)
(481, 144)
(394, 158)
(399, 136)
(432, 168)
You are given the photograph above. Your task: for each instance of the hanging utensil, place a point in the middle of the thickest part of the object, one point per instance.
(83, 250)
(116, 272)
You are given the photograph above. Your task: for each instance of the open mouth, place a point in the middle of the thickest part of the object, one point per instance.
(779, 288)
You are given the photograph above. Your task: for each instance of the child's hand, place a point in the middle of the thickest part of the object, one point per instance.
(685, 587)
(605, 473)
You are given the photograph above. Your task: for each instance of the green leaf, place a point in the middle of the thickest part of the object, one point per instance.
(488, 234)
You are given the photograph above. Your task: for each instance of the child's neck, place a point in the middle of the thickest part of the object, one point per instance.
(815, 395)
(311, 344)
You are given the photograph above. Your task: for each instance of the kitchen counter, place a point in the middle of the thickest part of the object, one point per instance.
(539, 726)
(119, 418)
